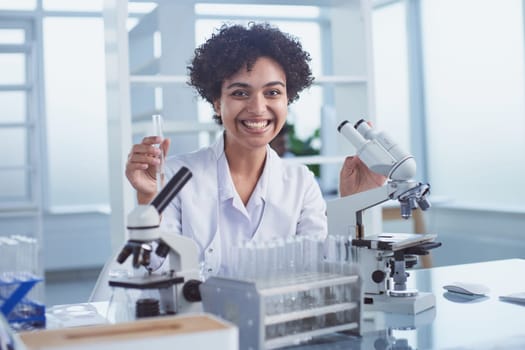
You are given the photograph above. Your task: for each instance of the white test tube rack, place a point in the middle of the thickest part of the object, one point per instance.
(249, 305)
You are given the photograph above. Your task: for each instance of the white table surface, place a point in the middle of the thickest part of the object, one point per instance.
(454, 323)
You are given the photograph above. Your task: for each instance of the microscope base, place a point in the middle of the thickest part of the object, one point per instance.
(401, 305)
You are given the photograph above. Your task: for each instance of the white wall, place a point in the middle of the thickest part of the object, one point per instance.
(75, 241)
(476, 235)
(78, 241)
(470, 235)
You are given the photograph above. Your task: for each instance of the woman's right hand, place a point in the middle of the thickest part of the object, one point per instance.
(142, 164)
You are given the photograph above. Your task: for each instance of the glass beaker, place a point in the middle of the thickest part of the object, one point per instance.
(121, 307)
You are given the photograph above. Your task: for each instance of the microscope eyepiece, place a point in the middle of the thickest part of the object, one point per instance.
(161, 201)
(356, 125)
(341, 125)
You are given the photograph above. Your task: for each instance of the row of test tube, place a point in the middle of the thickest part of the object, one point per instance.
(19, 270)
(299, 261)
(18, 253)
(281, 261)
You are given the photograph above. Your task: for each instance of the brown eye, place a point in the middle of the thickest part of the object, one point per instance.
(239, 93)
(273, 93)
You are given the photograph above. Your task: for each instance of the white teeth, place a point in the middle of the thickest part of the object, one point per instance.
(256, 125)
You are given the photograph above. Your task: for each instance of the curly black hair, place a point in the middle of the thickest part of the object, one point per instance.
(233, 47)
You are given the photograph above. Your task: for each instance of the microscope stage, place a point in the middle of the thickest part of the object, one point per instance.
(146, 282)
(394, 241)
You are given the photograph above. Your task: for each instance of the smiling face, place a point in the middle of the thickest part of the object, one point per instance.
(253, 105)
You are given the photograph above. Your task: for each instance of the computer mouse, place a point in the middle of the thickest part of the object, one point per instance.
(467, 288)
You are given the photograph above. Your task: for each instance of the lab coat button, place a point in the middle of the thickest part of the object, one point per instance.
(210, 250)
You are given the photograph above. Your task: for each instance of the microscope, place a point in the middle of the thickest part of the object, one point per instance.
(383, 258)
(178, 284)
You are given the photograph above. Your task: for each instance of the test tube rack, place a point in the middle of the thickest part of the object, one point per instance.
(19, 310)
(251, 305)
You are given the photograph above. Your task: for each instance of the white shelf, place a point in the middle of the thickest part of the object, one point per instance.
(15, 87)
(21, 210)
(316, 159)
(156, 80)
(169, 126)
(340, 79)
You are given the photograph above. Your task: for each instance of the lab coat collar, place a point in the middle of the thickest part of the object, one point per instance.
(272, 174)
(224, 181)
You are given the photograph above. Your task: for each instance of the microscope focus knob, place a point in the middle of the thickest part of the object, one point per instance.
(191, 291)
(378, 276)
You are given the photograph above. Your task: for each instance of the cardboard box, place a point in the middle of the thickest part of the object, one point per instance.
(201, 331)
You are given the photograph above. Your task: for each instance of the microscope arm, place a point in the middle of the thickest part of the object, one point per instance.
(341, 211)
(408, 193)
(183, 252)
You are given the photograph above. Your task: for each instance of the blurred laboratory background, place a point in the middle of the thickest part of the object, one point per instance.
(79, 81)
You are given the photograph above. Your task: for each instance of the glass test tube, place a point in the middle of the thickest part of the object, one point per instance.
(334, 294)
(248, 261)
(157, 131)
(262, 268)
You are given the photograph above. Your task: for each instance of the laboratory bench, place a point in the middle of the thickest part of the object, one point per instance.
(456, 321)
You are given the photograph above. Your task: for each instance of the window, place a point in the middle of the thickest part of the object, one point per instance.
(475, 100)
(76, 112)
(74, 157)
(17, 128)
(391, 72)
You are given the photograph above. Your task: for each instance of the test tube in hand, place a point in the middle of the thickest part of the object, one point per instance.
(157, 131)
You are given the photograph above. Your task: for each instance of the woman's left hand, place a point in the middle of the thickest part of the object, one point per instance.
(356, 177)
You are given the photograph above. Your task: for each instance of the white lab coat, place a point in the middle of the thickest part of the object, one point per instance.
(292, 203)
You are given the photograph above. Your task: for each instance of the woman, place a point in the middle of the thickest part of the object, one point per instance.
(241, 190)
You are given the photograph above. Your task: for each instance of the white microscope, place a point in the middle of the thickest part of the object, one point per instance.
(382, 258)
(177, 285)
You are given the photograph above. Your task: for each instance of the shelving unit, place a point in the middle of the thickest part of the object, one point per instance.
(21, 190)
(148, 64)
